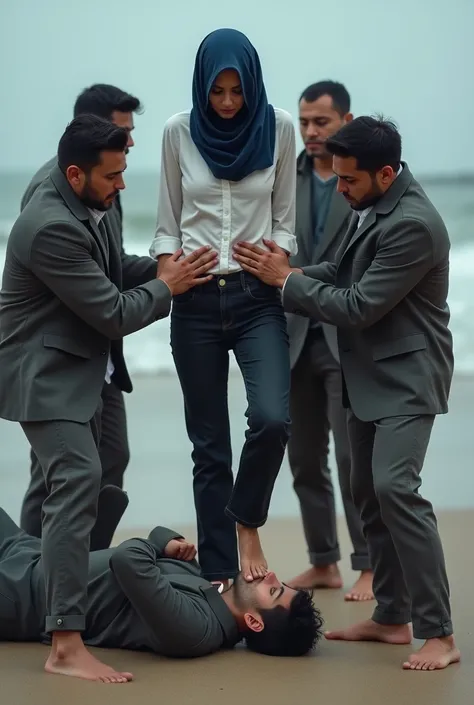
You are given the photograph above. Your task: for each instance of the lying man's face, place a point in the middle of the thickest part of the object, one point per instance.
(276, 619)
(262, 594)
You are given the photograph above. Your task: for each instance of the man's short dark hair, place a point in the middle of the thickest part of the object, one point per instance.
(102, 99)
(373, 141)
(85, 138)
(341, 99)
(292, 631)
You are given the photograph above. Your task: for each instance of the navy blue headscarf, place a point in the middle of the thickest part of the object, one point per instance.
(232, 148)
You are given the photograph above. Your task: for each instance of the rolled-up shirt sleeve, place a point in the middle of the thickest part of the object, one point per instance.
(170, 200)
(284, 190)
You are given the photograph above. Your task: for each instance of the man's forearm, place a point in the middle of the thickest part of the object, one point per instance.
(324, 272)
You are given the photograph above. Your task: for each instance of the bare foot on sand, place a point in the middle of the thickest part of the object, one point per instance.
(434, 655)
(69, 657)
(252, 561)
(371, 631)
(362, 590)
(322, 576)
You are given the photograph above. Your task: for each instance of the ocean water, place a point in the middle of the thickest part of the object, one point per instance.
(148, 351)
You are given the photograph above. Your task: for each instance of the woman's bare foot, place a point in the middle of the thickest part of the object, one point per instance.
(371, 631)
(362, 590)
(321, 576)
(69, 657)
(434, 655)
(252, 561)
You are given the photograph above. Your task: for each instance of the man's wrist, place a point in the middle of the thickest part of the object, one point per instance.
(281, 281)
(165, 282)
(293, 270)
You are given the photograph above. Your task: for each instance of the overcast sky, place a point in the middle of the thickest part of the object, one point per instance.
(406, 58)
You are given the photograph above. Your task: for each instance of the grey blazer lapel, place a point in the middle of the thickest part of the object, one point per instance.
(385, 204)
(215, 601)
(359, 231)
(79, 210)
(99, 230)
(304, 211)
(223, 614)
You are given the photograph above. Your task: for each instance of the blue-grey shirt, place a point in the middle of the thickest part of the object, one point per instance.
(322, 192)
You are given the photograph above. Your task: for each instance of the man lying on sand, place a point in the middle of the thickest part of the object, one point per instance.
(148, 594)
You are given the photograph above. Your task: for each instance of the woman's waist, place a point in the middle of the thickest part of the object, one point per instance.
(223, 244)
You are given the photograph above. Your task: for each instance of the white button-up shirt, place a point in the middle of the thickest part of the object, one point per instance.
(196, 209)
(98, 215)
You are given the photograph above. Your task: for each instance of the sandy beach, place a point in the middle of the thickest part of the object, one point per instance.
(158, 478)
(159, 485)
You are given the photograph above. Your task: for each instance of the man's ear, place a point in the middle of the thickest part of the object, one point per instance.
(253, 621)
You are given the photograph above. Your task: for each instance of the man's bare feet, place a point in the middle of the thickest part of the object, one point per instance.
(69, 657)
(434, 655)
(252, 561)
(321, 576)
(362, 590)
(371, 631)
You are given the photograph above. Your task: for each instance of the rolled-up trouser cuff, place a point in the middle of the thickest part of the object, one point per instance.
(360, 561)
(432, 631)
(382, 616)
(66, 623)
(244, 522)
(326, 558)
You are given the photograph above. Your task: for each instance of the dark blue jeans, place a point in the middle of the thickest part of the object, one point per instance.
(232, 312)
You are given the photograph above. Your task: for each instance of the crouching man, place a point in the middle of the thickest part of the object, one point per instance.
(148, 594)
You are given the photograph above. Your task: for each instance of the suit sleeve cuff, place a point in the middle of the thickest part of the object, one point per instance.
(161, 536)
(284, 283)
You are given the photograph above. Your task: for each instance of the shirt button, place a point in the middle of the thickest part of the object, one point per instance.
(59, 622)
(221, 282)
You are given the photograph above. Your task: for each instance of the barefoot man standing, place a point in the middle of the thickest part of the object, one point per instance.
(65, 305)
(386, 292)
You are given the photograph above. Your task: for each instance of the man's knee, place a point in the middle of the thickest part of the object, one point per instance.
(390, 493)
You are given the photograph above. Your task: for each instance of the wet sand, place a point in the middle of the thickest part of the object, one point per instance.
(158, 482)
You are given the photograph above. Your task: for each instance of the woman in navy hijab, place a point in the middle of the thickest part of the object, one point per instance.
(227, 175)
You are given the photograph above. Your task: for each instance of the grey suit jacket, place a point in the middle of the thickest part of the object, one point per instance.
(137, 598)
(135, 270)
(61, 305)
(387, 294)
(336, 225)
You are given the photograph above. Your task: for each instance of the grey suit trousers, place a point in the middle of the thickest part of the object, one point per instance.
(410, 581)
(68, 454)
(315, 409)
(114, 456)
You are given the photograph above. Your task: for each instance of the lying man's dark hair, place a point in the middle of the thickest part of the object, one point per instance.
(288, 632)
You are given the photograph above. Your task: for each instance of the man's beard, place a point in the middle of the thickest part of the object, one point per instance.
(90, 200)
(369, 199)
(319, 150)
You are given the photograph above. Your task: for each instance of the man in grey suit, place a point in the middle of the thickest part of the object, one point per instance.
(322, 218)
(64, 308)
(386, 292)
(149, 595)
(110, 103)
